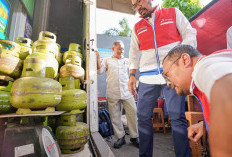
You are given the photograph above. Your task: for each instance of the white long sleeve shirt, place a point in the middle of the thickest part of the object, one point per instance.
(145, 60)
(229, 38)
(117, 71)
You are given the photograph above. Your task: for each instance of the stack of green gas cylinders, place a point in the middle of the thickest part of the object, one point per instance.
(37, 89)
(37, 78)
(72, 133)
(32, 68)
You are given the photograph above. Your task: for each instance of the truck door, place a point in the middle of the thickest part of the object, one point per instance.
(89, 39)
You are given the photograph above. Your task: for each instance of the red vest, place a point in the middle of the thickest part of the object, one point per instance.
(165, 30)
(202, 98)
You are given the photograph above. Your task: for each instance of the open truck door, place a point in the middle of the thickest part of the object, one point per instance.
(98, 145)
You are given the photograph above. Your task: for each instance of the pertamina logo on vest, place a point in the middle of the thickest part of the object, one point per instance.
(141, 30)
(166, 21)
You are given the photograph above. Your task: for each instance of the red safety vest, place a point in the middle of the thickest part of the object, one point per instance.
(165, 30)
(204, 102)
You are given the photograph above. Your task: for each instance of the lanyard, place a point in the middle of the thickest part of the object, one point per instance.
(156, 49)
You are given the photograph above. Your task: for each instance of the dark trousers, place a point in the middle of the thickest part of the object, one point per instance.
(148, 94)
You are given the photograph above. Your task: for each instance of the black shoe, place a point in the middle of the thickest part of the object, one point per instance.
(135, 141)
(120, 142)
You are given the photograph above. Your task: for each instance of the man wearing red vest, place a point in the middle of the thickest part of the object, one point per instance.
(209, 78)
(153, 36)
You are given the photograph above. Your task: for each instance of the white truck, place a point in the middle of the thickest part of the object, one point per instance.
(73, 21)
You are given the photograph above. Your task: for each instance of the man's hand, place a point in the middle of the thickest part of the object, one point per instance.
(98, 59)
(97, 53)
(195, 131)
(132, 86)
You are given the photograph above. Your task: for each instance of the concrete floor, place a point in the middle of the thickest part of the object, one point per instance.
(163, 146)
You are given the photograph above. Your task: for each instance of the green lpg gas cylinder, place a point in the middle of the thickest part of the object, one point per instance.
(48, 36)
(74, 50)
(59, 58)
(72, 56)
(9, 48)
(74, 47)
(5, 106)
(72, 99)
(35, 93)
(70, 118)
(5, 79)
(10, 66)
(77, 84)
(40, 65)
(69, 83)
(75, 71)
(46, 44)
(72, 138)
(26, 47)
(75, 60)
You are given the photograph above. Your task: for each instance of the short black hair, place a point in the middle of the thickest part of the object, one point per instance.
(181, 49)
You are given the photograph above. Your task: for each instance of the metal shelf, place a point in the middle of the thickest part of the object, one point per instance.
(31, 115)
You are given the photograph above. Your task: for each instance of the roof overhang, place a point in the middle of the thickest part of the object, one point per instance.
(123, 6)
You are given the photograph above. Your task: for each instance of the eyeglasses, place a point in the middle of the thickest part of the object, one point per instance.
(165, 75)
(138, 3)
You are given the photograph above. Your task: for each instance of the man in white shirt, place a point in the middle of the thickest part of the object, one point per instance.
(117, 92)
(209, 78)
(159, 30)
(229, 38)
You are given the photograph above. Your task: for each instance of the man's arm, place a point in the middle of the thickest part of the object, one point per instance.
(133, 62)
(187, 32)
(98, 60)
(220, 132)
(134, 52)
(101, 67)
(132, 84)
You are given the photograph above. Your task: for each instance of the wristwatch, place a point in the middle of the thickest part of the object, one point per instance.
(132, 74)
